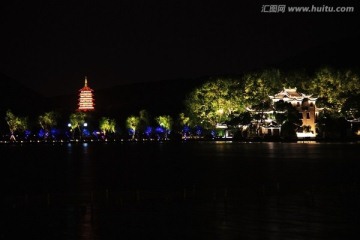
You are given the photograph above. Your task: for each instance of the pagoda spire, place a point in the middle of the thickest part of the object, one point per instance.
(86, 98)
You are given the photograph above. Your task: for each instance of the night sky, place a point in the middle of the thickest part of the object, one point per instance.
(51, 46)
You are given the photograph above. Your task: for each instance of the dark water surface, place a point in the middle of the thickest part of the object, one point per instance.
(201, 190)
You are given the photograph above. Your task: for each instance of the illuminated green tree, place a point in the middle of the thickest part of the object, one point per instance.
(132, 123)
(287, 116)
(47, 121)
(296, 78)
(258, 86)
(215, 102)
(15, 124)
(331, 124)
(107, 125)
(326, 84)
(77, 120)
(280, 111)
(165, 122)
(352, 106)
(334, 87)
(338, 92)
(182, 122)
(144, 121)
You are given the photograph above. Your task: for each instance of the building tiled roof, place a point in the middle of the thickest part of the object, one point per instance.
(291, 93)
(288, 93)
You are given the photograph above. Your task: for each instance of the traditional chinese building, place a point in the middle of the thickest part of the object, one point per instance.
(264, 124)
(305, 104)
(86, 98)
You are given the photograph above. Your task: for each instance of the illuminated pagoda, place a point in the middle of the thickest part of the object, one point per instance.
(86, 98)
(305, 105)
(308, 113)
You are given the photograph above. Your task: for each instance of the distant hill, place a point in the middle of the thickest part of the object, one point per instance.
(16, 96)
(20, 99)
(162, 97)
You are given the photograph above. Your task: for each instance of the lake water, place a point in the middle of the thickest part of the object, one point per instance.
(192, 190)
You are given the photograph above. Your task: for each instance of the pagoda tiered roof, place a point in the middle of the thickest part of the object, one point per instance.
(292, 94)
(86, 98)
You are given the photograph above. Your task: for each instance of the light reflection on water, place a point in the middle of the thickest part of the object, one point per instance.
(216, 190)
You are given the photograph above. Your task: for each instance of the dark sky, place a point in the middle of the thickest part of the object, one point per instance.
(51, 46)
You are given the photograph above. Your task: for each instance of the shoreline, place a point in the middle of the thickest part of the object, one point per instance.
(253, 140)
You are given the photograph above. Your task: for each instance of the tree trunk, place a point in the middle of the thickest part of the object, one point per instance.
(133, 136)
(12, 136)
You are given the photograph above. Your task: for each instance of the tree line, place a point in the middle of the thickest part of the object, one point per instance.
(136, 126)
(225, 101)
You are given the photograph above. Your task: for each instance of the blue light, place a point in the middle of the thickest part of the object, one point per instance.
(148, 131)
(69, 134)
(86, 132)
(198, 130)
(96, 134)
(186, 129)
(131, 132)
(41, 133)
(27, 133)
(54, 132)
(159, 130)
